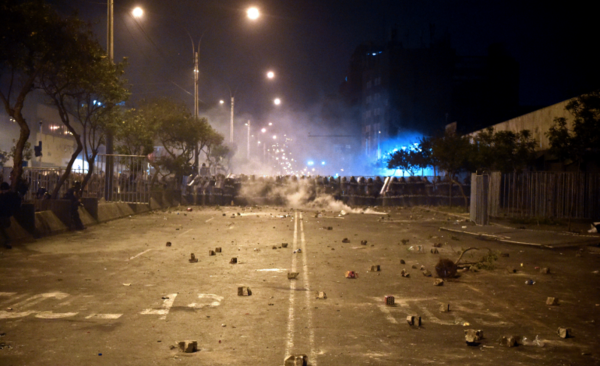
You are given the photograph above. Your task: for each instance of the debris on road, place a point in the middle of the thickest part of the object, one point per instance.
(434, 251)
(274, 246)
(244, 291)
(508, 341)
(218, 250)
(437, 245)
(445, 268)
(363, 242)
(402, 261)
(284, 245)
(545, 270)
(321, 295)
(473, 336)
(168, 243)
(188, 346)
(414, 266)
(298, 251)
(564, 332)
(426, 273)
(413, 320)
(211, 253)
(389, 300)
(296, 360)
(193, 258)
(438, 282)
(416, 249)
(292, 275)
(189, 209)
(127, 284)
(375, 268)
(445, 308)
(233, 260)
(530, 282)
(511, 270)
(552, 301)
(404, 241)
(351, 274)
(345, 240)
(404, 273)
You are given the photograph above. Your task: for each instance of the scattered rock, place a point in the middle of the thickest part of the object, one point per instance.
(296, 360)
(193, 258)
(552, 301)
(351, 274)
(218, 250)
(437, 245)
(413, 320)
(404, 273)
(445, 308)
(168, 243)
(274, 246)
(545, 270)
(188, 346)
(329, 228)
(402, 261)
(434, 251)
(321, 295)
(375, 268)
(414, 266)
(298, 251)
(426, 273)
(564, 332)
(345, 240)
(292, 275)
(244, 291)
(363, 242)
(389, 300)
(473, 336)
(511, 270)
(508, 341)
(438, 282)
(211, 252)
(404, 241)
(284, 245)
(233, 260)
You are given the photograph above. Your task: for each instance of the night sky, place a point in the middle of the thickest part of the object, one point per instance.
(308, 44)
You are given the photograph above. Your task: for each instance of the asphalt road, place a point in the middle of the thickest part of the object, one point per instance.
(115, 294)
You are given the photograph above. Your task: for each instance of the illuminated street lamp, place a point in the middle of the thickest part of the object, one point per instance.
(270, 74)
(137, 12)
(277, 101)
(253, 13)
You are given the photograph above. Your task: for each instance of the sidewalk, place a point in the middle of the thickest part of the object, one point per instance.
(520, 236)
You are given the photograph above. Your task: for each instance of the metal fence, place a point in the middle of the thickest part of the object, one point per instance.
(130, 180)
(550, 194)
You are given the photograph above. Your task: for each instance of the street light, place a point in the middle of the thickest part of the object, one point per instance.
(253, 13)
(277, 101)
(137, 12)
(270, 74)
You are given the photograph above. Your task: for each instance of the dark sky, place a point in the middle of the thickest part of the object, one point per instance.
(308, 44)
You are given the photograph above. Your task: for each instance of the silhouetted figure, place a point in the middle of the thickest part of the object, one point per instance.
(9, 205)
(74, 195)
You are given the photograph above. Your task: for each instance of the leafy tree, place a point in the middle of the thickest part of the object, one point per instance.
(580, 142)
(504, 151)
(403, 159)
(34, 40)
(452, 153)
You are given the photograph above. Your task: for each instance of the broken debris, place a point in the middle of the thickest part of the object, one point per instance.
(292, 275)
(413, 320)
(552, 301)
(438, 282)
(188, 346)
(389, 300)
(445, 308)
(375, 268)
(345, 240)
(564, 332)
(296, 360)
(473, 336)
(321, 295)
(193, 258)
(351, 274)
(233, 260)
(244, 291)
(168, 243)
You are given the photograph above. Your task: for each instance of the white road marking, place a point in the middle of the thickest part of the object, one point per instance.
(7, 294)
(137, 255)
(166, 306)
(52, 315)
(272, 270)
(209, 219)
(384, 309)
(39, 298)
(290, 332)
(13, 315)
(305, 277)
(216, 301)
(185, 232)
(103, 316)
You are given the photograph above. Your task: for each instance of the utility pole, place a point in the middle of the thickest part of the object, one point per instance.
(108, 176)
(248, 150)
(231, 122)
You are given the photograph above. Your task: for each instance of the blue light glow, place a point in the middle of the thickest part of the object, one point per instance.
(323, 163)
(310, 163)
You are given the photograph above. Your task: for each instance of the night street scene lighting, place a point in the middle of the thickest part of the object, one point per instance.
(309, 184)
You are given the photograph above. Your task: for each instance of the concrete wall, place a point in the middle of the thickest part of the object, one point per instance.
(537, 122)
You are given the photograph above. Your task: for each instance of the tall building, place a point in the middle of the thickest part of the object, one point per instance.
(403, 90)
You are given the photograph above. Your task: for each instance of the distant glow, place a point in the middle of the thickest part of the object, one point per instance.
(263, 130)
(253, 13)
(221, 101)
(270, 123)
(270, 74)
(310, 163)
(323, 163)
(277, 101)
(274, 137)
(137, 12)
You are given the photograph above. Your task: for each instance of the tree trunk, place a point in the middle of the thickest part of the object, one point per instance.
(67, 172)
(90, 172)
